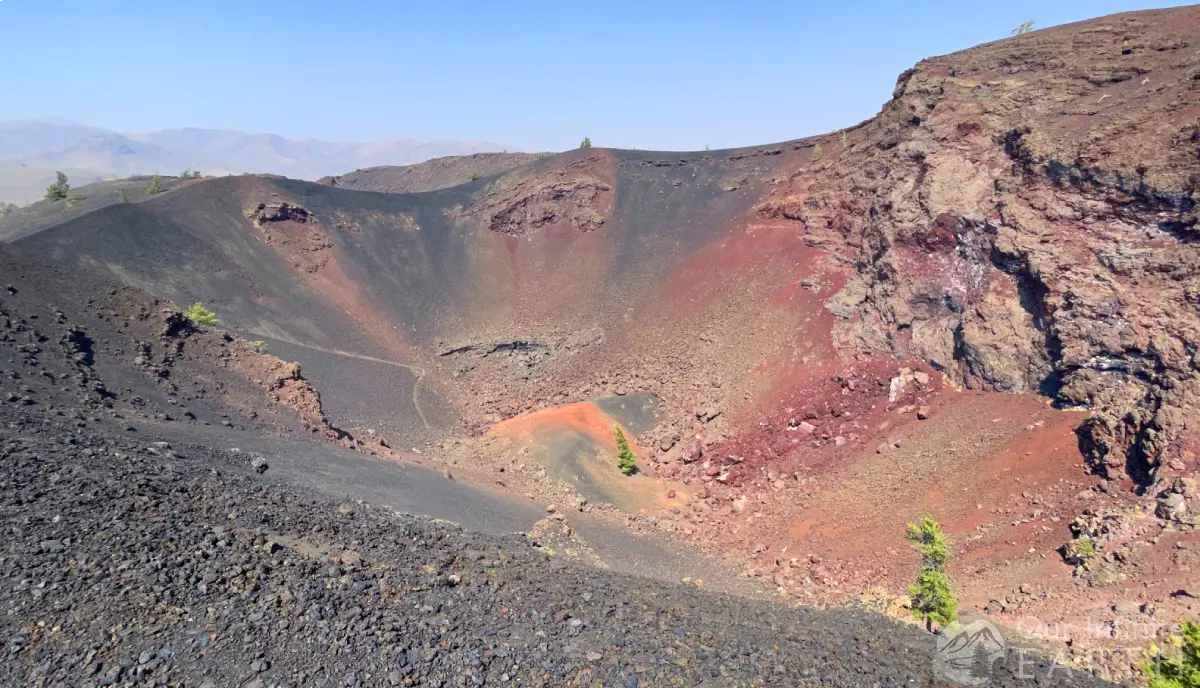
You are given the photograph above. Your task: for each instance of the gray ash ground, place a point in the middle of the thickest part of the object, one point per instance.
(129, 564)
(126, 561)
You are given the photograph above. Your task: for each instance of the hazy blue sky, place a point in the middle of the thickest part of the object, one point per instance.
(534, 75)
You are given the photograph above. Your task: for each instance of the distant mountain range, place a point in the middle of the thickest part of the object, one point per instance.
(30, 152)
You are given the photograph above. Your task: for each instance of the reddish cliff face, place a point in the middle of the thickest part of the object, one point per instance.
(1022, 216)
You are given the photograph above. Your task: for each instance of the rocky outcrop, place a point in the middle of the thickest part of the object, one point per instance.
(278, 212)
(579, 194)
(166, 340)
(1022, 216)
(294, 233)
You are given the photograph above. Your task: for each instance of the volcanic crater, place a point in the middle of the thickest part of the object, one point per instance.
(982, 304)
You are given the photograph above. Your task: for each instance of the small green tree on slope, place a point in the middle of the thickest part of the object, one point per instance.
(586, 143)
(200, 315)
(1177, 672)
(58, 190)
(626, 461)
(932, 597)
(155, 186)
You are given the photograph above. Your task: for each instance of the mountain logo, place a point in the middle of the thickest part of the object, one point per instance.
(965, 654)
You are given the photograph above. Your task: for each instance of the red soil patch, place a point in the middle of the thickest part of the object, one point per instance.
(550, 436)
(1002, 473)
(584, 418)
(744, 250)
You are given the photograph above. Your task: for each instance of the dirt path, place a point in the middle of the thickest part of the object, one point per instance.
(417, 371)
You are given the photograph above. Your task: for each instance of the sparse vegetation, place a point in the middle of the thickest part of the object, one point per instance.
(586, 142)
(259, 346)
(1024, 28)
(542, 155)
(155, 186)
(816, 153)
(73, 201)
(122, 196)
(58, 190)
(190, 174)
(706, 147)
(932, 596)
(844, 139)
(475, 176)
(626, 461)
(199, 315)
(1078, 551)
(1182, 670)
(1087, 548)
(6, 208)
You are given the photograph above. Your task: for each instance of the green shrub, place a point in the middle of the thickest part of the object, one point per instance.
(58, 190)
(475, 176)
(1078, 551)
(844, 138)
(122, 197)
(73, 201)
(259, 346)
(816, 152)
(199, 315)
(1182, 671)
(586, 142)
(932, 595)
(189, 173)
(6, 208)
(626, 461)
(155, 186)
(1086, 547)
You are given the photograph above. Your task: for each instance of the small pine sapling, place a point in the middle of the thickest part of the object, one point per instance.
(58, 190)
(932, 595)
(199, 315)
(626, 461)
